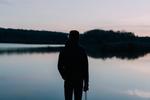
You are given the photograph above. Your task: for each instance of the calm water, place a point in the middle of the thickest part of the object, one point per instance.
(34, 76)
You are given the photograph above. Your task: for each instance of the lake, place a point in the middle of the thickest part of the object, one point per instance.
(34, 76)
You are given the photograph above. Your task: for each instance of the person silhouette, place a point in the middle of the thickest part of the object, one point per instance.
(73, 67)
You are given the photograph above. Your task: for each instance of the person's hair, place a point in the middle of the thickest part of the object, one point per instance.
(74, 35)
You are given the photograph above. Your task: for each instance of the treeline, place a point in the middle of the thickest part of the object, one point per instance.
(102, 36)
(98, 43)
(93, 40)
(114, 41)
(31, 36)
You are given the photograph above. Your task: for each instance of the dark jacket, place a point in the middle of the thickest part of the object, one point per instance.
(73, 63)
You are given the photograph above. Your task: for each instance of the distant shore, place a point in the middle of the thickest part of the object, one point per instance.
(93, 40)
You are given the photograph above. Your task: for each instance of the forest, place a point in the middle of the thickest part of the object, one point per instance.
(96, 39)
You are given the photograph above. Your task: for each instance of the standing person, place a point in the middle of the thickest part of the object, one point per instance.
(73, 67)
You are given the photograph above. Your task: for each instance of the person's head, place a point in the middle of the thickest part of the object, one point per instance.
(74, 36)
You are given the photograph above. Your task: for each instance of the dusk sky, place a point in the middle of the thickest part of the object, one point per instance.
(83, 15)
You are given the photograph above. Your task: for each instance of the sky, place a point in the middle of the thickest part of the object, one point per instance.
(82, 15)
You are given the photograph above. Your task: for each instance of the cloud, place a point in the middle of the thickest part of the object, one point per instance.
(139, 93)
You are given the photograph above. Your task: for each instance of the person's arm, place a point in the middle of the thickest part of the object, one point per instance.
(61, 65)
(86, 79)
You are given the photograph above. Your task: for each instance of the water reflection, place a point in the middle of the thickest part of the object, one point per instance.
(31, 74)
(92, 53)
(30, 50)
(120, 55)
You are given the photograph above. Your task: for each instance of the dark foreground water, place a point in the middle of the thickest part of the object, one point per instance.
(34, 76)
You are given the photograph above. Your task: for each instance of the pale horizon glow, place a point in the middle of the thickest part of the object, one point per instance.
(83, 15)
